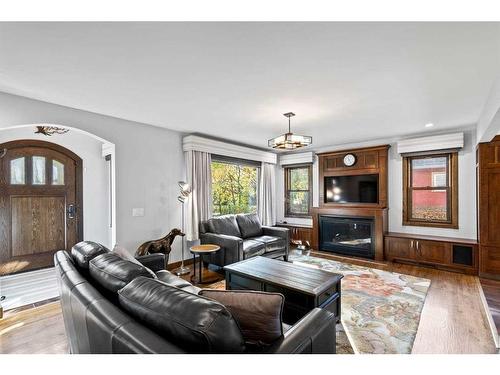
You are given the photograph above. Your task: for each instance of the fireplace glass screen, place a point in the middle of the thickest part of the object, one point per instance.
(347, 236)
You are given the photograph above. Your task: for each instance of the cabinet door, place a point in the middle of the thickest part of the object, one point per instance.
(400, 248)
(433, 251)
(305, 234)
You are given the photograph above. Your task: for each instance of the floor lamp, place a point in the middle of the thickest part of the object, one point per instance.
(185, 193)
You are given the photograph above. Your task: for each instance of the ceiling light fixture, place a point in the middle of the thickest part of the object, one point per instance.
(289, 141)
(429, 125)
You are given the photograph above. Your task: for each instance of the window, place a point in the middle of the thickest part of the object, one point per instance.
(234, 186)
(17, 171)
(38, 173)
(430, 196)
(57, 173)
(298, 191)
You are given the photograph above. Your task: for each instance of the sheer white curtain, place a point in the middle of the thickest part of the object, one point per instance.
(267, 194)
(199, 204)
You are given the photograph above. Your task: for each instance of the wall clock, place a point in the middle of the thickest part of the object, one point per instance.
(349, 160)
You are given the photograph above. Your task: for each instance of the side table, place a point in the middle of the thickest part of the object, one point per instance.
(201, 250)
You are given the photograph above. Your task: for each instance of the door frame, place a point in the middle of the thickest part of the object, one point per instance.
(78, 172)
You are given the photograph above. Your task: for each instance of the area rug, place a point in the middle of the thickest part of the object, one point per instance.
(380, 310)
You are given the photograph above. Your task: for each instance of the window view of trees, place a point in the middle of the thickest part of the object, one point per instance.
(234, 188)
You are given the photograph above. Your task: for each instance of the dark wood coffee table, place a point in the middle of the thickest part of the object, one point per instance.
(304, 288)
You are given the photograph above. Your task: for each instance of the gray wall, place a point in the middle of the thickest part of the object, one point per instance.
(149, 162)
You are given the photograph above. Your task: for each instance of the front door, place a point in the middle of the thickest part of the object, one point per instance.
(40, 203)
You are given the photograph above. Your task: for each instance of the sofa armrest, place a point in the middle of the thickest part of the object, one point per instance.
(155, 262)
(314, 334)
(277, 232)
(232, 245)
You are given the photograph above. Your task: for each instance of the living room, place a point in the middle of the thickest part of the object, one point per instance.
(250, 188)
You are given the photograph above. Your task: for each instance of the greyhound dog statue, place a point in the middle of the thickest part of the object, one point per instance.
(162, 245)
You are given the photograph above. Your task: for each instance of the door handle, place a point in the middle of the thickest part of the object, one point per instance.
(71, 211)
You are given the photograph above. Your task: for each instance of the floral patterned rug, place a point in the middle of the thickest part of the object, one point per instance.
(380, 310)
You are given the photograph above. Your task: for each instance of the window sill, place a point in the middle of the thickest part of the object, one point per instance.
(430, 224)
(298, 217)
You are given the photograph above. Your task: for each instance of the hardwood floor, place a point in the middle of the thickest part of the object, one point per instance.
(453, 318)
(38, 330)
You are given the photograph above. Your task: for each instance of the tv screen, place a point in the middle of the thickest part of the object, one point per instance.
(352, 189)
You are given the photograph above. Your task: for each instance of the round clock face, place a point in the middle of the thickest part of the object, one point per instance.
(349, 160)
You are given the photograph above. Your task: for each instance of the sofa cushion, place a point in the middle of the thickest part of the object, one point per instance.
(259, 314)
(272, 243)
(113, 273)
(83, 252)
(224, 225)
(249, 225)
(173, 280)
(253, 248)
(195, 323)
(125, 255)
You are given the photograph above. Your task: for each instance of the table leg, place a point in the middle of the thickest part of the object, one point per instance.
(194, 266)
(201, 266)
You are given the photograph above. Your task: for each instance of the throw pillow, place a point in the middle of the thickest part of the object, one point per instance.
(259, 314)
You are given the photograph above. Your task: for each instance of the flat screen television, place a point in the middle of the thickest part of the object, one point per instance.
(352, 189)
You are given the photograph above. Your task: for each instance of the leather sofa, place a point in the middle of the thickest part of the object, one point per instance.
(241, 237)
(108, 307)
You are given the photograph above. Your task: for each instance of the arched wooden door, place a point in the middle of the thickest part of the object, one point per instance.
(40, 203)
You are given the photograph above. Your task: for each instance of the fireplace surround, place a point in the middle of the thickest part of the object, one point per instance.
(377, 216)
(368, 161)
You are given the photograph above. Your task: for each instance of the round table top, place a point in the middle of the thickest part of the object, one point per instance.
(204, 248)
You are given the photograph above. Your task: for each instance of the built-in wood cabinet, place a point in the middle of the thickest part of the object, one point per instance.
(299, 233)
(398, 248)
(369, 160)
(441, 252)
(488, 205)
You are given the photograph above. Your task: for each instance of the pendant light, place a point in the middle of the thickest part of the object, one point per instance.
(289, 141)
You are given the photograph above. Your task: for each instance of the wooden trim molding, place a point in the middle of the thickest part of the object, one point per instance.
(452, 190)
(212, 146)
(287, 185)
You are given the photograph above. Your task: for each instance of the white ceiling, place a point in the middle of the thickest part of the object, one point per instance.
(347, 82)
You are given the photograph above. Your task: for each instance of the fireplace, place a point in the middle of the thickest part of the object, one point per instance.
(352, 236)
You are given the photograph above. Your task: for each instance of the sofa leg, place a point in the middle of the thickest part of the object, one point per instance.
(285, 258)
